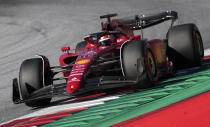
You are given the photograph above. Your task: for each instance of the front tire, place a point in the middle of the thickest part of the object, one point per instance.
(31, 78)
(131, 52)
(139, 63)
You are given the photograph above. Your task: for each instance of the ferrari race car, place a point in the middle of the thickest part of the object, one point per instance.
(110, 59)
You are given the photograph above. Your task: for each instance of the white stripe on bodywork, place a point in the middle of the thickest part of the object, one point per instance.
(79, 69)
(76, 74)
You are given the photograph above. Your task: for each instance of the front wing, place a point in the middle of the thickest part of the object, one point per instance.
(93, 84)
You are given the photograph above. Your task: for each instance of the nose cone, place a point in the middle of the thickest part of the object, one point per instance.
(73, 86)
(76, 76)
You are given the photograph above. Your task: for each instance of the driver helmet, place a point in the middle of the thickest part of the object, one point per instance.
(106, 40)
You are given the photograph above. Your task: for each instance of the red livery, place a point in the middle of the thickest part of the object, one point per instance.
(111, 58)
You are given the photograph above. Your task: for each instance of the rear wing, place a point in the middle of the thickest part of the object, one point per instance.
(142, 22)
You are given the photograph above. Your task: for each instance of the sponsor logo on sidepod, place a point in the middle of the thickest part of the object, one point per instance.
(82, 61)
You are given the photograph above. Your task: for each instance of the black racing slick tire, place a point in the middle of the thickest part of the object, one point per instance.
(31, 79)
(80, 47)
(185, 46)
(131, 52)
(138, 63)
(151, 66)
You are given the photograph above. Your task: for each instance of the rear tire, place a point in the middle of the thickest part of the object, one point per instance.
(151, 66)
(185, 46)
(31, 79)
(80, 46)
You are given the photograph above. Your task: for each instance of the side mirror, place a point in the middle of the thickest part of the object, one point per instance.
(136, 37)
(65, 49)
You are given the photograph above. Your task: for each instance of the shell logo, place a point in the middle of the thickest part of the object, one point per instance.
(83, 61)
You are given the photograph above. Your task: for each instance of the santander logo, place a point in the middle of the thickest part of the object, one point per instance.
(75, 79)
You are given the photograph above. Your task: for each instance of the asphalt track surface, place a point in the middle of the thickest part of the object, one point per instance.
(29, 27)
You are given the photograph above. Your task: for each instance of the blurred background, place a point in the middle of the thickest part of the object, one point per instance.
(29, 27)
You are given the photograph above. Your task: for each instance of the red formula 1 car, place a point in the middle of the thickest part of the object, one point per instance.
(112, 58)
